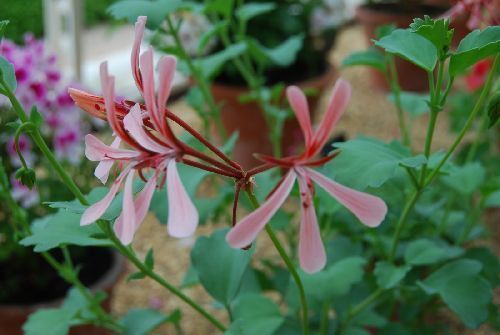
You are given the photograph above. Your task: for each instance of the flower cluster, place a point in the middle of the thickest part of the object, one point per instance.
(153, 151)
(39, 82)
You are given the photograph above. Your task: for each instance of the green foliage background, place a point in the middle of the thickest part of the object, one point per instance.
(27, 16)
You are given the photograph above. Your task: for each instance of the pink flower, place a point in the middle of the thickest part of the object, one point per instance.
(152, 145)
(370, 210)
(485, 12)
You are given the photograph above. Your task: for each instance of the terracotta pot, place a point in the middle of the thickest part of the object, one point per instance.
(371, 16)
(248, 120)
(12, 317)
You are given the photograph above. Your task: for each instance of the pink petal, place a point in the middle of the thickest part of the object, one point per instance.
(312, 255)
(182, 215)
(245, 231)
(148, 81)
(95, 150)
(134, 57)
(143, 200)
(102, 169)
(369, 209)
(92, 104)
(108, 91)
(338, 103)
(133, 123)
(298, 101)
(166, 71)
(125, 225)
(98, 209)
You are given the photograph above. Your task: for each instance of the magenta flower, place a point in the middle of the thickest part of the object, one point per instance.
(480, 12)
(152, 145)
(370, 210)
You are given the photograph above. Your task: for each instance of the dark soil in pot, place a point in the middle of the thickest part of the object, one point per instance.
(29, 283)
(372, 16)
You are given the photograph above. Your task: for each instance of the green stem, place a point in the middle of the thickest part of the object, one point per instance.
(468, 123)
(359, 308)
(105, 227)
(19, 131)
(477, 139)
(200, 79)
(401, 223)
(325, 320)
(289, 264)
(396, 90)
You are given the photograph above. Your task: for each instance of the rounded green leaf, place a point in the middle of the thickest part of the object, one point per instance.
(412, 47)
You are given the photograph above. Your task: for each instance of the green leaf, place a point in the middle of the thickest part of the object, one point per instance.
(283, 54)
(335, 280)
(53, 321)
(142, 321)
(149, 260)
(8, 74)
(494, 109)
(256, 315)
(369, 162)
(478, 45)
(414, 104)
(220, 268)
(469, 297)
(136, 276)
(492, 200)
(425, 252)
(370, 57)
(465, 179)
(389, 275)
(156, 10)
(36, 117)
(223, 7)
(410, 46)
(62, 228)
(3, 25)
(211, 64)
(439, 279)
(211, 33)
(251, 10)
(436, 31)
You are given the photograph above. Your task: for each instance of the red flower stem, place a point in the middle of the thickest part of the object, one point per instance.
(209, 168)
(200, 138)
(195, 153)
(235, 203)
(259, 169)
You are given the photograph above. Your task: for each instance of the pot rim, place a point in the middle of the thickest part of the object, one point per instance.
(107, 280)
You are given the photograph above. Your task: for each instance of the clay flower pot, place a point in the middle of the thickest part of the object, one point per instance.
(13, 316)
(248, 119)
(371, 16)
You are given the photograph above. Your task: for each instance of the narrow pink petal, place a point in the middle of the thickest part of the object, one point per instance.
(102, 169)
(148, 81)
(298, 101)
(108, 91)
(369, 209)
(338, 103)
(136, 49)
(143, 200)
(98, 209)
(166, 71)
(133, 123)
(125, 225)
(245, 231)
(95, 150)
(182, 215)
(312, 255)
(90, 103)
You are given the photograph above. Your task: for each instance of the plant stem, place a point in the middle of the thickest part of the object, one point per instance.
(477, 140)
(325, 320)
(105, 227)
(469, 122)
(401, 223)
(360, 307)
(200, 79)
(289, 264)
(396, 90)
